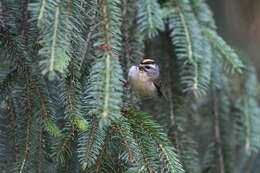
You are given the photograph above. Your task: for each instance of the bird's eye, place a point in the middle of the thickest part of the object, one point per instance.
(147, 67)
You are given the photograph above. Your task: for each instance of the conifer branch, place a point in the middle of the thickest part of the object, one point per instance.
(14, 128)
(169, 157)
(92, 28)
(28, 126)
(190, 52)
(248, 112)
(145, 159)
(125, 34)
(91, 141)
(203, 13)
(154, 132)
(108, 55)
(103, 150)
(187, 36)
(41, 13)
(90, 144)
(188, 41)
(228, 54)
(43, 106)
(217, 132)
(78, 45)
(247, 123)
(251, 161)
(1, 16)
(29, 107)
(55, 25)
(69, 101)
(72, 96)
(40, 151)
(54, 39)
(106, 69)
(149, 18)
(62, 149)
(131, 153)
(48, 123)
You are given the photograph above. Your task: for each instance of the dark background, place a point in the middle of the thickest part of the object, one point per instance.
(238, 22)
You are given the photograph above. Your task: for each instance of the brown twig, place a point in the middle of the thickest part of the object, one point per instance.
(251, 162)
(102, 152)
(1, 16)
(217, 131)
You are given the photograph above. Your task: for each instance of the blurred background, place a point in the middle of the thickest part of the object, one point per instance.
(238, 23)
(218, 132)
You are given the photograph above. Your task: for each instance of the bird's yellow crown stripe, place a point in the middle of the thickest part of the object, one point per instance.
(147, 61)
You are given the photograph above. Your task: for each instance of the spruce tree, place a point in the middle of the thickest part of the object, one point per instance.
(65, 108)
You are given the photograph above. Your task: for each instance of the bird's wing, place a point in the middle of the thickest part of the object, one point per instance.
(157, 83)
(160, 90)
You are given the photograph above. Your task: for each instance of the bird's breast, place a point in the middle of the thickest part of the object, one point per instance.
(141, 83)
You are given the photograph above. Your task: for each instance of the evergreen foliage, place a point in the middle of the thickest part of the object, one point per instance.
(64, 106)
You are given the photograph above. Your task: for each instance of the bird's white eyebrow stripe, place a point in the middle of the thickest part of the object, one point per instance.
(150, 65)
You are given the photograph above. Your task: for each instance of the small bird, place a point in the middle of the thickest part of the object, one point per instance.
(144, 78)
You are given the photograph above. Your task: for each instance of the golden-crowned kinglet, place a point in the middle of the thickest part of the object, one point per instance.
(144, 78)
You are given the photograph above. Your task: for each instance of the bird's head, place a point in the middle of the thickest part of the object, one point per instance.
(150, 67)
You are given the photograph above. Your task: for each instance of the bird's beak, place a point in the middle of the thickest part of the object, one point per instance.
(141, 67)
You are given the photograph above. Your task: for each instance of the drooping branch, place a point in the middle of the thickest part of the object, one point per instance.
(217, 137)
